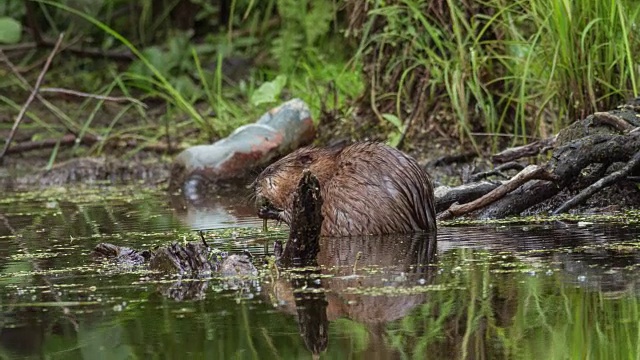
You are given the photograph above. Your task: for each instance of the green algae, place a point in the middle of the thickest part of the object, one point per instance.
(626, 217)
(484, 286)
(400, 291)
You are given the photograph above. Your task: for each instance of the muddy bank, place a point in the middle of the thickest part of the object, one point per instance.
(590, 166)
(146, 169)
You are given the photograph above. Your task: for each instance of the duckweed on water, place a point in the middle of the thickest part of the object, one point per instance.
(502, 286)
(626, 217)
(36, 255)
(81, 194)
(399, 291)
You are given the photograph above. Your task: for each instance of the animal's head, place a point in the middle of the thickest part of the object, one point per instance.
(275, 186)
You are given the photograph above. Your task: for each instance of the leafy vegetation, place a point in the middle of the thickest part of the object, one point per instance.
(211, 81)
(478, 72)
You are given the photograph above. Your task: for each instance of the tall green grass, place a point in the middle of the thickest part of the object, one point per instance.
(524, 68)
(160, 80)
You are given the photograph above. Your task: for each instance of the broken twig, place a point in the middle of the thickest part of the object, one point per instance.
(518, 152)
(94, 96)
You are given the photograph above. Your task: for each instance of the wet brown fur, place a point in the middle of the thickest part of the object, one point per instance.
(367, 187)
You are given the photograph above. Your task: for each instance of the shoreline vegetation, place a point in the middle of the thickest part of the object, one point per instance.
(480, 76)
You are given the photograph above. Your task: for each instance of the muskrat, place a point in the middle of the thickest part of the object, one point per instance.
(368, 189)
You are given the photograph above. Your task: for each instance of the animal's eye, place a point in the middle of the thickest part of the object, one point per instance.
(305, 159)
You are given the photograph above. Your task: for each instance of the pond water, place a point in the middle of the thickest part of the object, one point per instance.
(539, 291)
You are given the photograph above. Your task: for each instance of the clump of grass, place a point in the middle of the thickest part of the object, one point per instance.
(586, 51)
(524, 68)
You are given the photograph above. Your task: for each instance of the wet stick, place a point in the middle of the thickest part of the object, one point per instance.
(303, 244)
(355, 263)
(266, 241)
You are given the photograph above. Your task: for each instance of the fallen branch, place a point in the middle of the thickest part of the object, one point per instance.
(497, 171)
(94, 96)
(71, 139)
(531, 172)
(65, 140)
(19, 46)
(518, 152)
(608, 180)
(445, 196)
(31, 97)
(93, 52)
(614, 121)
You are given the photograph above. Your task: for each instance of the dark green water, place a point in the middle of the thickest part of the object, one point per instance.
(553, 291)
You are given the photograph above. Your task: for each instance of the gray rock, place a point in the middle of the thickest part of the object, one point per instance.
(277, 132)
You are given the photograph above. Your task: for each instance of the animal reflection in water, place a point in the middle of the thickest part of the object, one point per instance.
(357, 269)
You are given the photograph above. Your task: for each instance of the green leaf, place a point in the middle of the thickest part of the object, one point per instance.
(393, 139)
(394, 120)
(269, 91)
(10, 30)
(156, 57)
(187, 87)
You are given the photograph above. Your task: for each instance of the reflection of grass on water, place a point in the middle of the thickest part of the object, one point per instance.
(516, 315)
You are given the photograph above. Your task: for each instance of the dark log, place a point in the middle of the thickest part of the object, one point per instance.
(529, 173)
(609, 180)
(446, 196)
(566, 165)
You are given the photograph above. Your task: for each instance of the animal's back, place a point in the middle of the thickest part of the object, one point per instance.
(377, 189)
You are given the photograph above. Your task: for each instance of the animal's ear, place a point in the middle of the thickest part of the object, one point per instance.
(305, 159)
